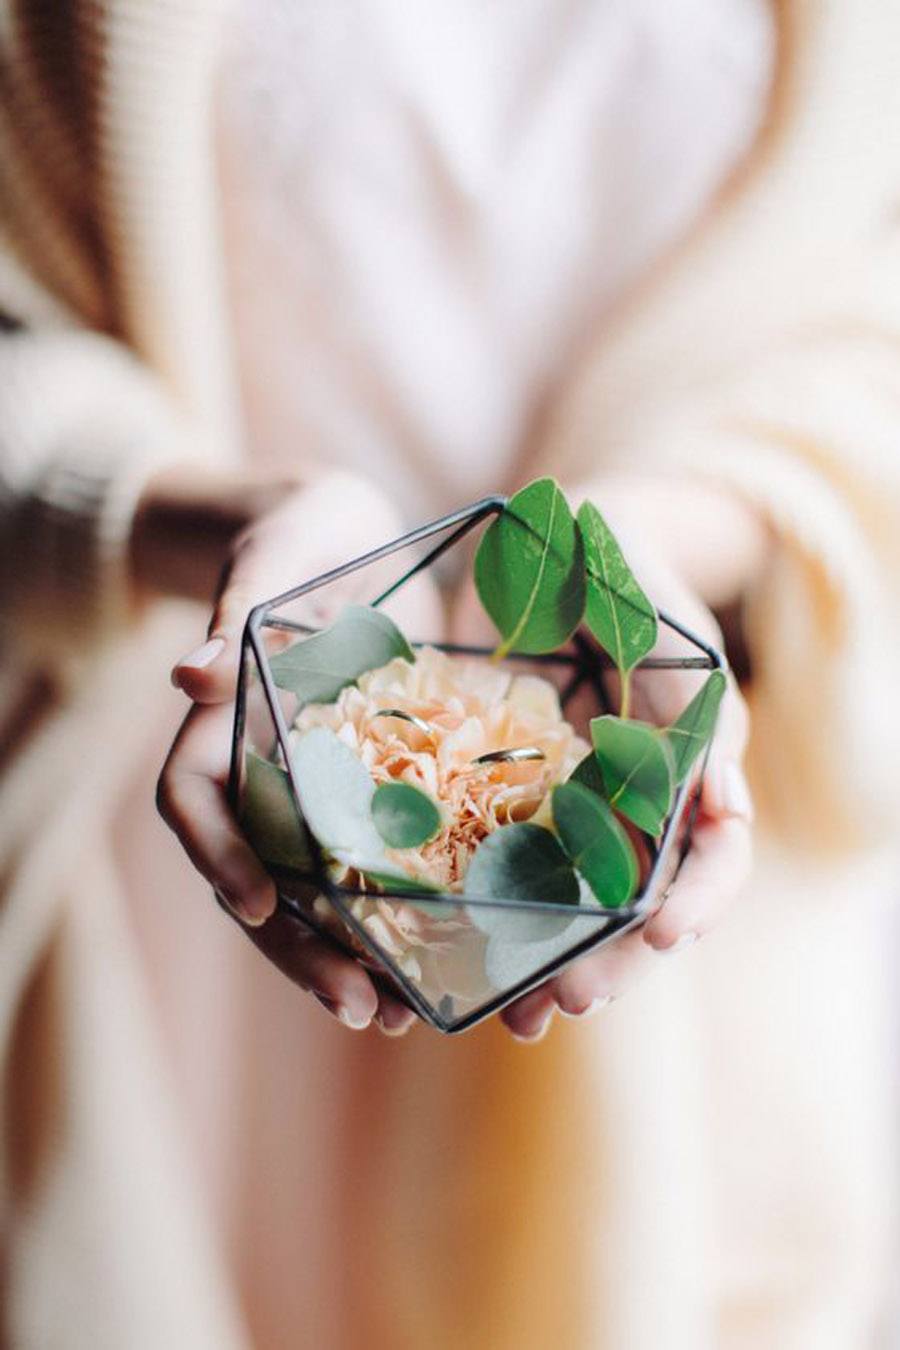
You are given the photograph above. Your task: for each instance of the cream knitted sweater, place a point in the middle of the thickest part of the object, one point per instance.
(764, 351)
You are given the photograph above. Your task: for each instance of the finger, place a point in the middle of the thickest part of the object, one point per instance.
(590, 983)
(530, 1016)
(393, 1018)
(192, 801)
(208, 674)
(340, 983)
(713, 874)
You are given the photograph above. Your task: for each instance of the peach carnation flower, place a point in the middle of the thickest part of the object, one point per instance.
(470, 708)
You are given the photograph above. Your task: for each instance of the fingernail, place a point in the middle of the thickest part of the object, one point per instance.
(593, 1007)
(356, 1020)
(686, 940)
(253, 908)
(535, 1036)
(196, 660)
(736, 799)
(398, 1029)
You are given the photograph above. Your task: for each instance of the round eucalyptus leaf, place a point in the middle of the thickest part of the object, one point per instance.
(523, 863)
(269, 817)
(596, 843)
(636, 763)
(404, 816)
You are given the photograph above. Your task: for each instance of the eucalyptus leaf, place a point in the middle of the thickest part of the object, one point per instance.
(529, 570)
(596, 843)
(691, 732)
(637, 767)
(317, 668)
(587, 772)
(617, 611)
(524, 863)
(336, 792)
(268, 816)
(404, 816)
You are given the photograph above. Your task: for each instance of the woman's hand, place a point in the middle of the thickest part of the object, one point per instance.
(311, 530)
(664, 548)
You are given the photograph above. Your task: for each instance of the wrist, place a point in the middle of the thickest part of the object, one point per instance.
(186, 522)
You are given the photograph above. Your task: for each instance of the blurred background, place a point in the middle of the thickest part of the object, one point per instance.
(278, 281)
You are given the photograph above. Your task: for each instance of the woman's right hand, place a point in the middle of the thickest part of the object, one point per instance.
(312, 529)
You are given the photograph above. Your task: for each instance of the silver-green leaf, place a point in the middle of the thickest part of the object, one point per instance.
(404, 816)
(268, 816)
(317, 668)
(525, 863)
(336, 792)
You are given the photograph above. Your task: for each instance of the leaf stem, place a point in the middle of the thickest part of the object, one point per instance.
(625, 706)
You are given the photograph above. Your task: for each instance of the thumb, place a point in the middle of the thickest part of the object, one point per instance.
(208, 674)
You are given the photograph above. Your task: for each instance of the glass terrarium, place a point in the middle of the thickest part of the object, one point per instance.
(451, 954)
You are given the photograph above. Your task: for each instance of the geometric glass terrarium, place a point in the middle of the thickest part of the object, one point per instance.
(454, 958)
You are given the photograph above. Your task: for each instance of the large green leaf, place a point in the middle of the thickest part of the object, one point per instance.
(525, 863)
(529, 570)
(587, 773)
(596, 843)
(269, 817)
(404, 816)
(336, 792)
(617, 611)
(319, 667)
(636, 764)
(689, 735)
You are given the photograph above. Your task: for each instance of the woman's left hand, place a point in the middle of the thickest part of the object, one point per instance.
(719, 860)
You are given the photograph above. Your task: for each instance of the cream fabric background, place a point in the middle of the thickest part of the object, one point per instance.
(740, 1153)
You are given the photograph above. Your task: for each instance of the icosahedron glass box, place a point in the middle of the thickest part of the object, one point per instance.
(451, 958)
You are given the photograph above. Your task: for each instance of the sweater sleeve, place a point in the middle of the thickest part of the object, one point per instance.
(809, 440)
(82, 427)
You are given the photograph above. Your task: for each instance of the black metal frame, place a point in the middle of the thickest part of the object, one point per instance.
(587, 662)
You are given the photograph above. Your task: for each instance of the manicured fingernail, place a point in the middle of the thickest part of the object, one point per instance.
(736, 799)
(350, 1018)
(533, 1037)
(593, 1007)
(686, 940)
(251, 907)
(398, 1028)
(196, 660)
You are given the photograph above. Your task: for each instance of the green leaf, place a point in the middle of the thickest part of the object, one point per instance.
(404, 816)
(268, 816)
(636, 764)
(588, 774)
(317, 668)
(617, 611)
(529, 570)
(689, 735)
(596, 843)
(336, 792)
(524, 863)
